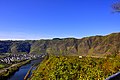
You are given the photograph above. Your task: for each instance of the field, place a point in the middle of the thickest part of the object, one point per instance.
(75, 68)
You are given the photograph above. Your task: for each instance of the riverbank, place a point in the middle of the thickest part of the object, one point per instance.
(26, 76)
(6, 72)
(38, 66)
(24, 70)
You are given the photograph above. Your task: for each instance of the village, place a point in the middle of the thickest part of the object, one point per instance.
(15, 58)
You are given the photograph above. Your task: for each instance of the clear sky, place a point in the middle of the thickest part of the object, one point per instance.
(38, 19)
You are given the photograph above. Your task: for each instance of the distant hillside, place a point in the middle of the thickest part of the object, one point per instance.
(94, 45)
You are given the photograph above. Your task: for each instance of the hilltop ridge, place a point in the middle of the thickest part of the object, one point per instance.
(93, 45)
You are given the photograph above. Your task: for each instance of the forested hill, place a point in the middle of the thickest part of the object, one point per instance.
(94, 45)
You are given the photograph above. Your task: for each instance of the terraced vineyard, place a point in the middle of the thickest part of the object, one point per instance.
(2, 66)
(75, 68)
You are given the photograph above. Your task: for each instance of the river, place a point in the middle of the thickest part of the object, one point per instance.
(20, 74)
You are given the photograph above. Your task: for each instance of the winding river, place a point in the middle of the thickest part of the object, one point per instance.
(20, 74)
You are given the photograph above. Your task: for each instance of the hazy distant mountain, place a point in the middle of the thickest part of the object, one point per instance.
(94, 45)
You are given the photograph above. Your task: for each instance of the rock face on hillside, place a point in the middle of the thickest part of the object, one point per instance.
(14, 46)
(95, 45)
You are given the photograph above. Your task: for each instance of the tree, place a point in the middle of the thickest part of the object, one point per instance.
(116, 6)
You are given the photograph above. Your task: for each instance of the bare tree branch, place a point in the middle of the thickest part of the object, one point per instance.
(116, 6)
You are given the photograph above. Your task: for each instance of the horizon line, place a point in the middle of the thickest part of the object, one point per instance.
(18, 39)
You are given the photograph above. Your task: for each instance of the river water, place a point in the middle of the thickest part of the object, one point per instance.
(20, 74)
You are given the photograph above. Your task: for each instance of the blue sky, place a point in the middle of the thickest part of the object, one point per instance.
(40, 19)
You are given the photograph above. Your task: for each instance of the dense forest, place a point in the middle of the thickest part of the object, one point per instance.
(94, 45)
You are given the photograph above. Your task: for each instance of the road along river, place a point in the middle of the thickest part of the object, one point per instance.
(21, 73)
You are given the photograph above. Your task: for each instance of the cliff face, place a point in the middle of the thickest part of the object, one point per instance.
(95, 45)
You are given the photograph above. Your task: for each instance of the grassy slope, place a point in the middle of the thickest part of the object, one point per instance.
(2, 66)
(73, 68)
